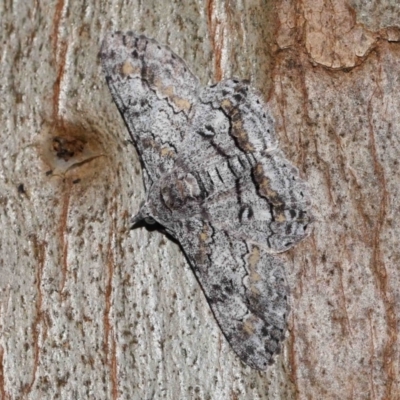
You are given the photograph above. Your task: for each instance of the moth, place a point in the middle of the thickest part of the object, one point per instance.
(217, 182)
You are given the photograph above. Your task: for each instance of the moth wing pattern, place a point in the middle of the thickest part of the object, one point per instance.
(230, 119)
(245, 288)
(279, 182)
(247, 206)
(245, 183)
(249, 202)
(215, 180)
(154, 92)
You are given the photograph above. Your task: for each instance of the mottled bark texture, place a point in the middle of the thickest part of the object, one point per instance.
(91, 310)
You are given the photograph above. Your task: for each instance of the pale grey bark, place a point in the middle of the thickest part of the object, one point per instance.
(91, 310)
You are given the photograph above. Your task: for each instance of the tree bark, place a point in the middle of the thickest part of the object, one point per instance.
(92, 310)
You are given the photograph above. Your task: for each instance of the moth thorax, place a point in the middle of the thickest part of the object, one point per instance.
(178, 189)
